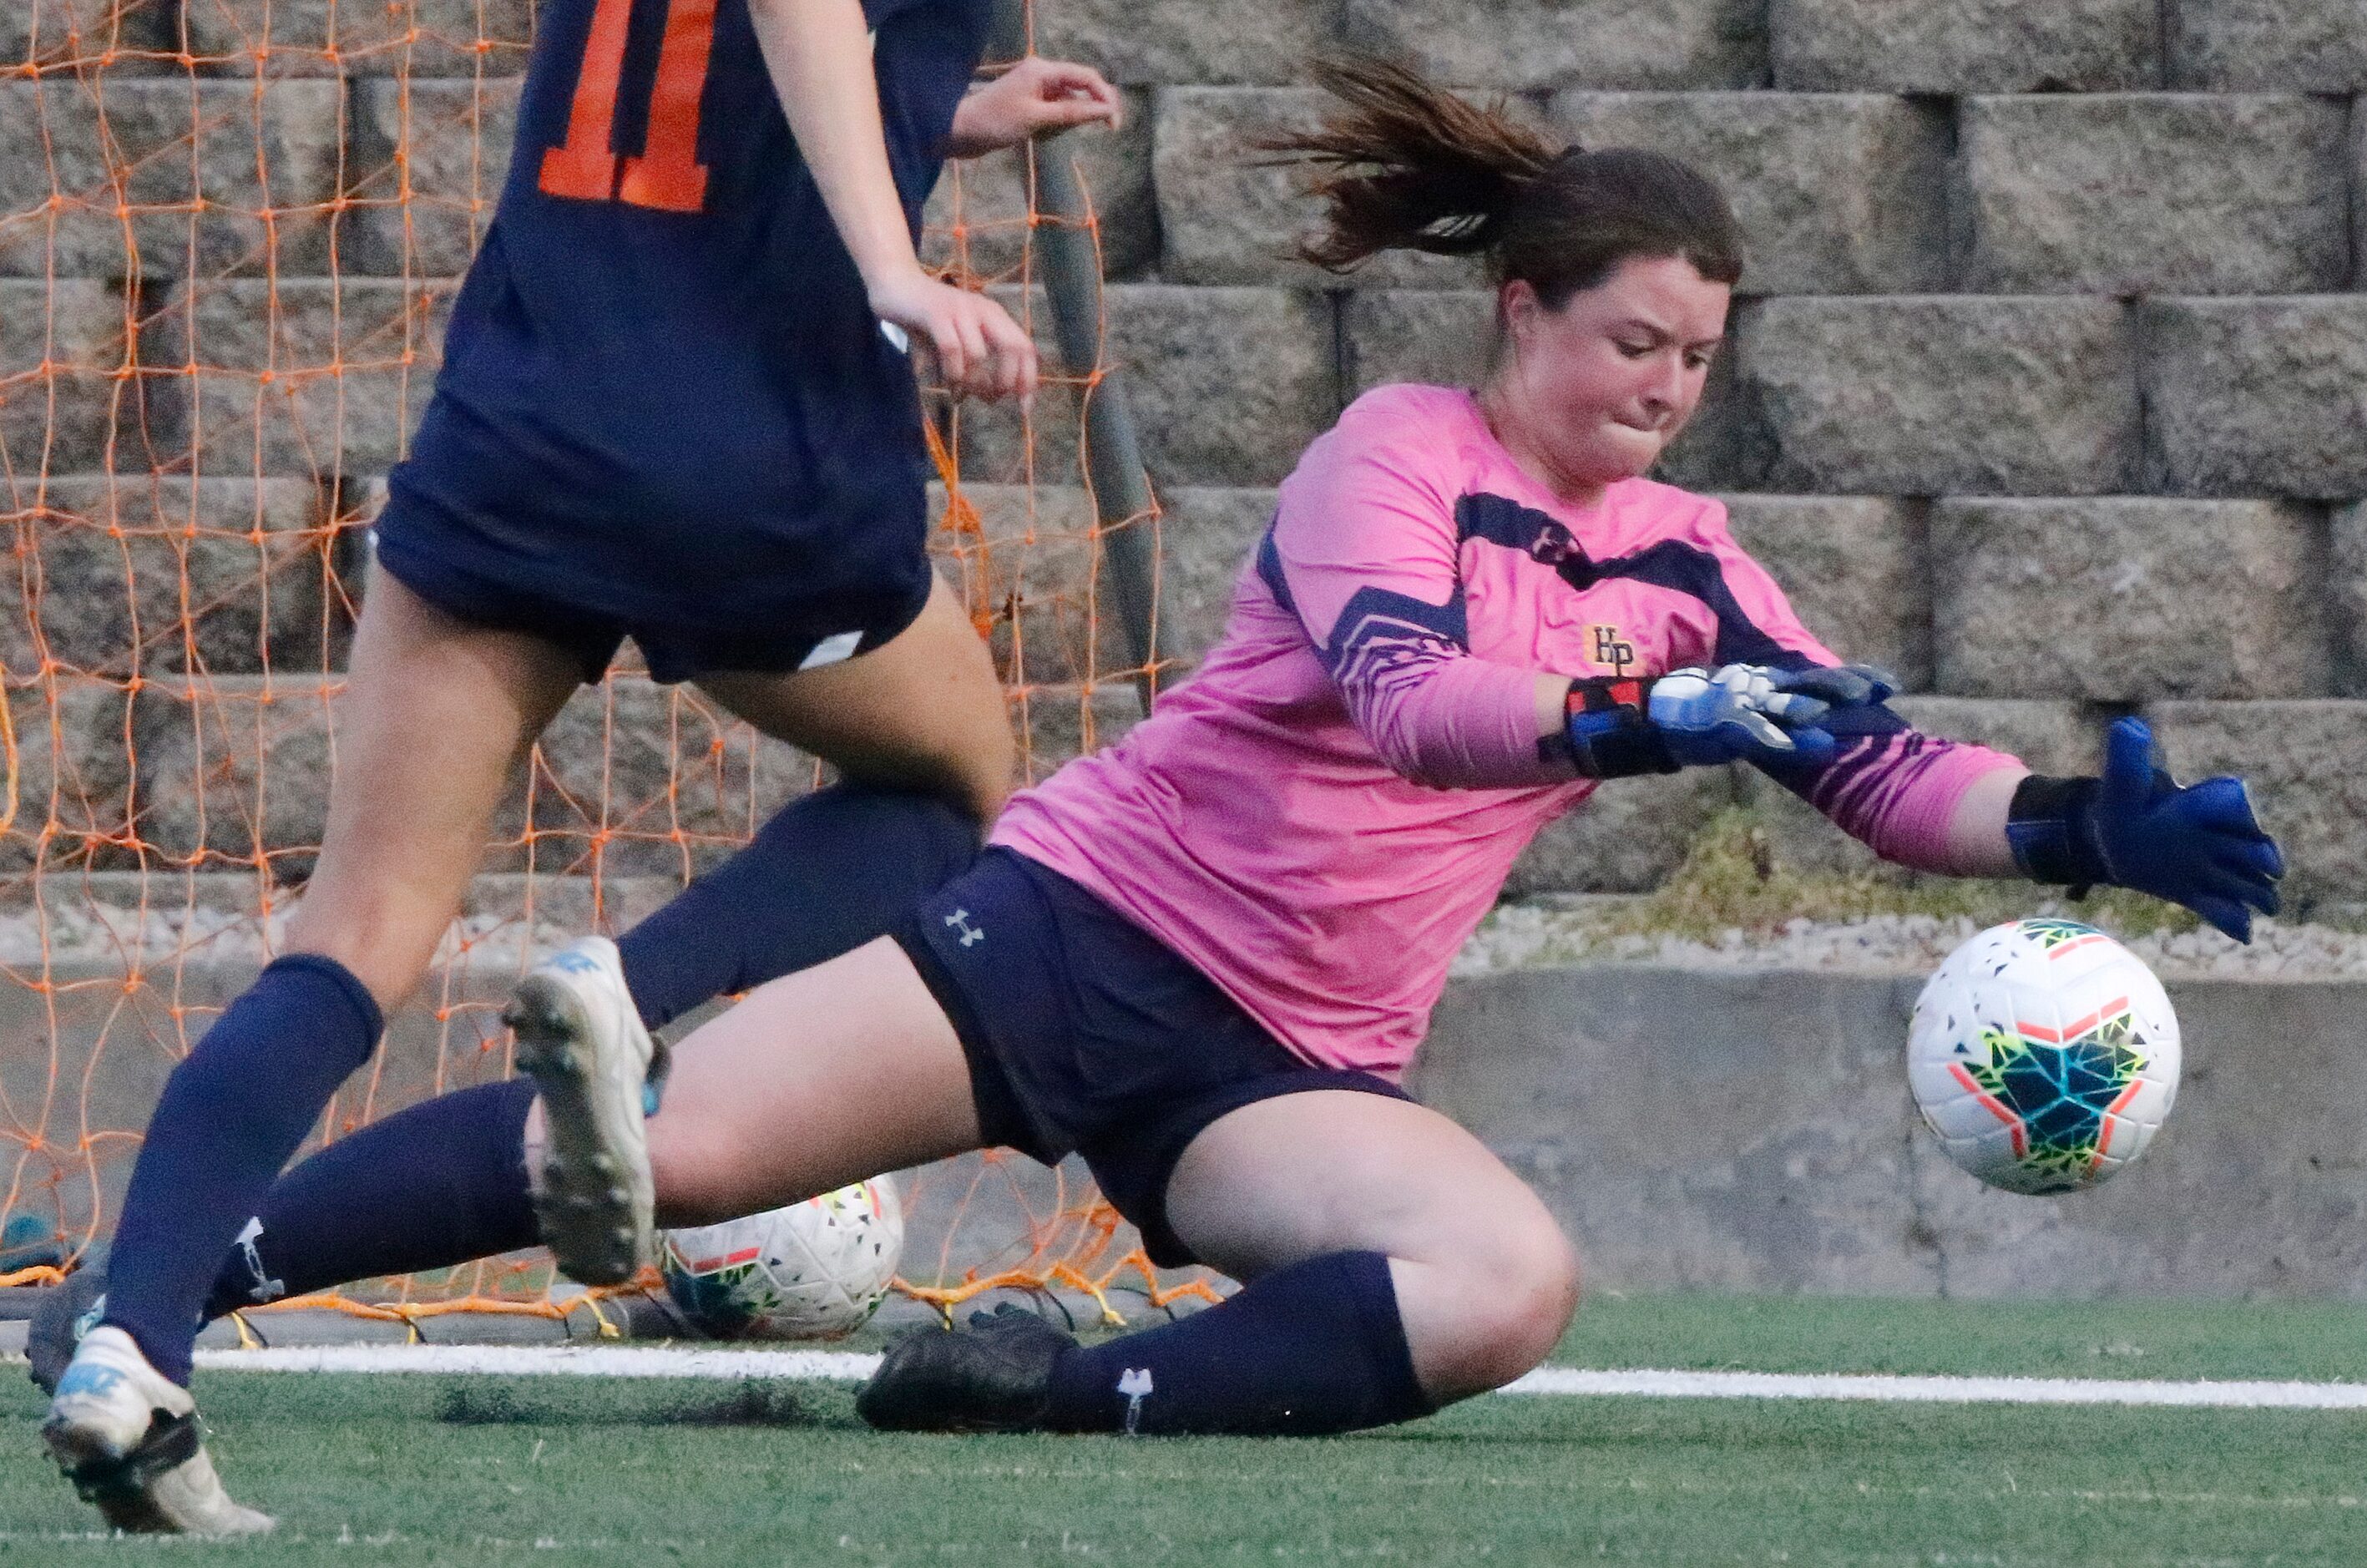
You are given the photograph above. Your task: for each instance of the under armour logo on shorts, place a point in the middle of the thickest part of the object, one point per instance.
(971, 935)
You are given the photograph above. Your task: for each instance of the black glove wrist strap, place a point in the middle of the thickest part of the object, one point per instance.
(2052, 837)
(1607, 725)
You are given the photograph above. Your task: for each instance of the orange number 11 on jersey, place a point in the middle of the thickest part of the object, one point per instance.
(667, 175)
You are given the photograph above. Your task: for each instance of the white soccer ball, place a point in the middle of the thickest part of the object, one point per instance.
(813, 1270)
(2044, 1055)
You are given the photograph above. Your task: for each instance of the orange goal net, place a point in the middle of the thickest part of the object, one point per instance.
(230, 235)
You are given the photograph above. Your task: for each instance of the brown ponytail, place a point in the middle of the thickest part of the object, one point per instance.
(1409, 167)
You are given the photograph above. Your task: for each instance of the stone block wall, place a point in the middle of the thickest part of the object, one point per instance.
(2047, 385)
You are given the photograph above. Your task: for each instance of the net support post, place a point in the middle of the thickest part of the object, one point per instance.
(1070, 268)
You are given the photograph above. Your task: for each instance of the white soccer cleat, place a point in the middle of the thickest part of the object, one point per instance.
(582, 1038)
(126, 1436)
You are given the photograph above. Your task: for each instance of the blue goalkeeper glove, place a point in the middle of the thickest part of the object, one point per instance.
(1694, 718)
(2137, 827)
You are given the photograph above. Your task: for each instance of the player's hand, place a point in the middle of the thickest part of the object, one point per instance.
(1841, 686)
(979, 350)
(1739, 713)
(1035, 96)
(2198, 845)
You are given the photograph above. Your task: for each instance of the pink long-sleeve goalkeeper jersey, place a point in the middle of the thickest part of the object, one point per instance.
(1320, 816)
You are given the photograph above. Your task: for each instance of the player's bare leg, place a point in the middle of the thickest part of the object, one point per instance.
(817, 1079)
(1485, 1279)
(435, 715)
(923, 712)
(1391, 1264)
(809, 871)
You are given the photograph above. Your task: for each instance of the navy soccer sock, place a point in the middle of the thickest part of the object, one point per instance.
(442, 1183)
(1312, 1348)
(232, 1114)
(830, 872)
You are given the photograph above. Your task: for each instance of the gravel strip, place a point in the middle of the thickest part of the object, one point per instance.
(1514, 935)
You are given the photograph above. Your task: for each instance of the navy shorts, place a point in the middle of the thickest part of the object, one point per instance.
(1086, 1034)
(674, 652)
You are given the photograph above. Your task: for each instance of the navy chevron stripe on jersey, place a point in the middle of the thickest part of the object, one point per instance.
(1865, 733)
(1373, 617)
(1685, 568)
(1383, 640)
(1382, 645)
(1269, 566)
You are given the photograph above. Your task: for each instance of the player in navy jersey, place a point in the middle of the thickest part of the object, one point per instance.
(669, 403)
(676, 406)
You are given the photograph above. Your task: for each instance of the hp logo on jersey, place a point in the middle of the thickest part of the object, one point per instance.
(1609, 650)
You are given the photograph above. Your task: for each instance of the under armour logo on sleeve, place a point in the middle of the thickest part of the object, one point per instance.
(970, 934)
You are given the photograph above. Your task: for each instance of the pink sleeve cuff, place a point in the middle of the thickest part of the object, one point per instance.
(1904, 805)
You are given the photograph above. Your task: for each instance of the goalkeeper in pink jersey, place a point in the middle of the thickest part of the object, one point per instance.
(1203, 957)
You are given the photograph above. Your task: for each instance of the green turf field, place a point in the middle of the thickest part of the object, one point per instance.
(431, 1470)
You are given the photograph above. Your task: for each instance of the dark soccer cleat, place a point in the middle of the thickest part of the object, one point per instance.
(994, 1375)
(62, 1316)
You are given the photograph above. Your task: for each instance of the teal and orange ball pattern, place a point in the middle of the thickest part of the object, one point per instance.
(812, 1270)
(2044, 1055)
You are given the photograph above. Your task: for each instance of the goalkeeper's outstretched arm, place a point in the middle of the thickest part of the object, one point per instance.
(2135, 826)
(1963, 810)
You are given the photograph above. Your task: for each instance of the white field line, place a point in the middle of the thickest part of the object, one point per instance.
(1943, 1391)
(840, 1366)
(530, 1361)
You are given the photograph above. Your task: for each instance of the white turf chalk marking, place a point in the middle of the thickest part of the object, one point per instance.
(841, 1366)
(1944, 1391)
(531, 1360)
